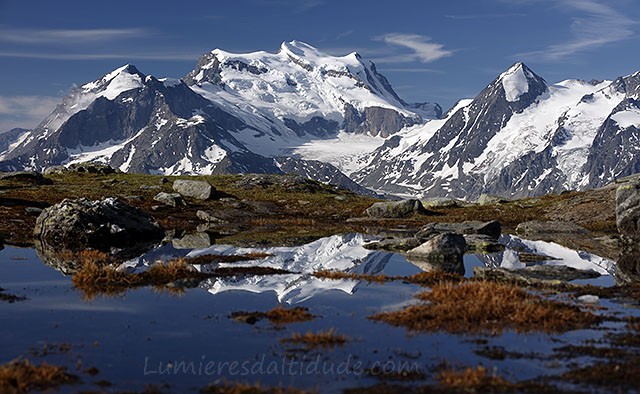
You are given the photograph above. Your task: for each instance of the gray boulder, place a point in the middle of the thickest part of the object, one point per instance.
(395, 209)
(628, 222)
(444, 252)
(192, 241)
(490, 229)
(171, 199)
(102, 224)
(487, 199)
(199, 190)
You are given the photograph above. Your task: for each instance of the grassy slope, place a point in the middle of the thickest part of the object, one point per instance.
(288, 217)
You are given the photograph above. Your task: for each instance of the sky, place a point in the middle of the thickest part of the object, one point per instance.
(437, 51)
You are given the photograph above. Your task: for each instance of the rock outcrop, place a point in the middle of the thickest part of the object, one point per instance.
(628, 222)
(102, 224)
(395, 209)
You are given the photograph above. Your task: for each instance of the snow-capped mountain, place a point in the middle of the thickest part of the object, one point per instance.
(233, 113)
(338, 120)
(519, 137)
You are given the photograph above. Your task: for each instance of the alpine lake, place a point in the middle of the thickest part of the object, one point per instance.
(311, 309)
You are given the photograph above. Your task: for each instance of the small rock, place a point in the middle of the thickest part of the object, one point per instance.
(395, 209)
(199, 190)
(92, 168)
(192, 241)
(170, 199)
(536, 227)
(437, 202)
(149, 187)
(33, 211)
(55, 170)
(164, 180)
(341, 197)
(209, 217)
(589, 299)
(486, 199)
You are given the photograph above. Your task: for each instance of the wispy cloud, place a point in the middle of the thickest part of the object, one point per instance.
(160, 56)
(421, 47)
(484, 16)
(67, 36)
(25, 111)
(594, 25)
(296, 6)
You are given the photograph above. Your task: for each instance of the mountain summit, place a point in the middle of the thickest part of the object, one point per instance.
(338, 120)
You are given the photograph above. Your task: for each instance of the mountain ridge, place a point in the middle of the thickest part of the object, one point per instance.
(279, 112)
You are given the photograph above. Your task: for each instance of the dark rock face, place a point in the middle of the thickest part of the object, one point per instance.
(317, 126)
(103, 224)
(616, 150)
(628, 221)
(10, 137)
(199, 190)
(444, 252)
(375, 121)
(465, 136)
(395, 209)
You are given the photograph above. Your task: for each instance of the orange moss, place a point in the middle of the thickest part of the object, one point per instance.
(22, 376)
(476, 379)
(488, 307)
(246, 388)
(320, 339)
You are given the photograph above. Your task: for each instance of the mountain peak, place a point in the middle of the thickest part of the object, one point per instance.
(517, 81)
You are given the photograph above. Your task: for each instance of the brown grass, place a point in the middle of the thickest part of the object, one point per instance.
(278, 315)
(94, 279)
(486, 307)
(422, 278)
(476, 379)
(320, 339)
(22, 376)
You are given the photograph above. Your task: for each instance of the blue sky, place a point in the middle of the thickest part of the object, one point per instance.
(429, 50)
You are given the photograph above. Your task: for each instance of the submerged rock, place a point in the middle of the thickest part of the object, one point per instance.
(490, 229)
(628, 222)
(443, 252)
(199, 190)
(395, 209)
(535, 274)
(102, 224)
(210, 217)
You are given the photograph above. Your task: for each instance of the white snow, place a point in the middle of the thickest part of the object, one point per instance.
(628, 118)
(514, 82)
(561, 255)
